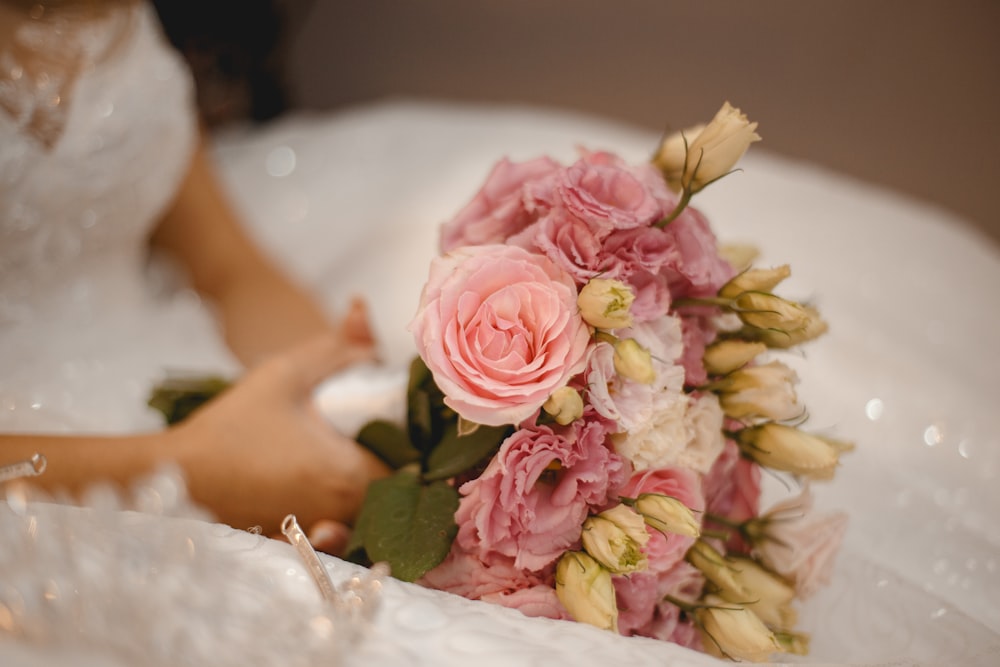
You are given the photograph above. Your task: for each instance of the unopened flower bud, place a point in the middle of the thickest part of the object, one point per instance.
(755, 280)
(667, 514)
(760, 392)
(565, 405)
(767, 594)
(633, 361)
(813, 327)
(786, 448)
(712, 152)
(725, 356)
(672, 153)
(770, 312)
(734, 632)
(615, 538)
(716, 569)
(796, 643)
(584, 587)
(605, 303)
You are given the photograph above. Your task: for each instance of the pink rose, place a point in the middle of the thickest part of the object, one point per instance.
(530, 502)
(607, 196)
(500, 330)
(665, 551)
(508, 201)
(571, 243)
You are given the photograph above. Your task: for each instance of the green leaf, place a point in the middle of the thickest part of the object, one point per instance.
(177, 397)
(408, 524)
(457, 453)
(389, 442)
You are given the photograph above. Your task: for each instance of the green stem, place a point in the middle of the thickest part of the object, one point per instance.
(728, 523)
(703, 301)
(681, 205)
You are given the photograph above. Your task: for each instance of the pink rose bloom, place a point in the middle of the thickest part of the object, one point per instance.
(801, 545)
(503, 206)
(537, 602)
(607, 196)
(665, 551)
(732, 490)
(530, 502)
(699, 270)
(500, 330)
(465, 574)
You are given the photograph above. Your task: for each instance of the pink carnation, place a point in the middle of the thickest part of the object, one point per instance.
(500, 330)
(537, 602)
(607, 195)
(503, 206)
(698, 334)
(699, 270)
(642, 609)
(665, 551)
(732, 490)
(465, 574)
(530, 502)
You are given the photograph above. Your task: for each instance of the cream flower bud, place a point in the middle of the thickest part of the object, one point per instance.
(584, 587)
(813, 327)
(615, 538)
(725, 356)
(760, 392)
(605, 303)
(765, 593)
(734, 632)
(796, 643)
(786, 448)
(565, 405)
(667, 514)
(672, 153)
(716, 150)
(755, 280)
(633, 361)
(767, 311)
(716, 569)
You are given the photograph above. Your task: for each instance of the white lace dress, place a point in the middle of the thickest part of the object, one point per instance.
(82, 334)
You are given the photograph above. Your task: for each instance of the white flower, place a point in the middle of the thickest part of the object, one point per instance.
(659, 442)
(605, 303)
(703, 421)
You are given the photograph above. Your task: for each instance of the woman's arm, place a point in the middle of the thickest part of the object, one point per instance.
(261, 309)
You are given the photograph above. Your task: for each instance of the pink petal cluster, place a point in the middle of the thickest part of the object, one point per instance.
(500, 330)
(530, 502)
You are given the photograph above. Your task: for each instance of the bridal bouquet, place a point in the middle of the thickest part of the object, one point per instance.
(598, 390)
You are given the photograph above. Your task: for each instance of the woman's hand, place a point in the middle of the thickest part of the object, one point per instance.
(260, 451)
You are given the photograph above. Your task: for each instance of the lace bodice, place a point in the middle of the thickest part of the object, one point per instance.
(90, 156)
(74, 214)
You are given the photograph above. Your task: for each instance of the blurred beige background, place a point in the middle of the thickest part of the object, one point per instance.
(902, 93)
